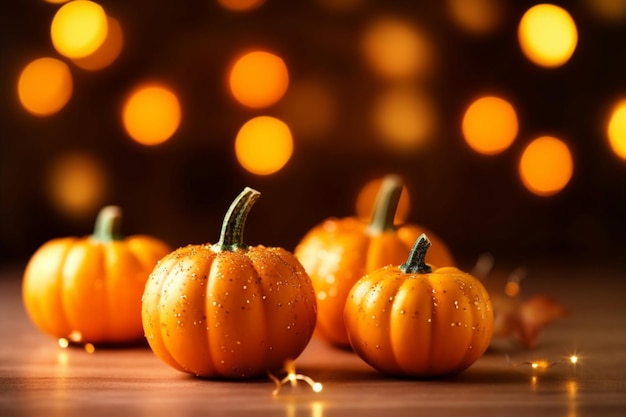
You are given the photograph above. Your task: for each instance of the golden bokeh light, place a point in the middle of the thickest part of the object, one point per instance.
(263, 145)
(367, 197)
(108, 51)
(258, 79)
(477, 16)
(45, 86)
(309, 108)
(547, 35)
(78, 28)
(77, 183)
(405, 119)
(616, 129)
(490, 125)
(151, 114)
(546, 166)
(395, 49)
(241, 5)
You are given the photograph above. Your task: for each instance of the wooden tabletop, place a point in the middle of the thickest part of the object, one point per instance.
(37, 377)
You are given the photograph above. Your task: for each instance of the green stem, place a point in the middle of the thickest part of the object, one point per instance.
(231, 236)
(416, 263)
(386, 205)
(108, 224)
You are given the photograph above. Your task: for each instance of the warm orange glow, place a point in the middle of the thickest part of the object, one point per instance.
(616, 130)
(547, 35)
(546, 166)
(77, 183)
(263, 145)
(78, 28)
(240, 5)
(45, 86)
(151, 114)
(405, 119)
(367, 197)
(512, 288)
(108, 51)
(608, 10)
(258, 79)
(477, 16)
(56, 1)
(490, 125)
(396, 49)
(309, 108)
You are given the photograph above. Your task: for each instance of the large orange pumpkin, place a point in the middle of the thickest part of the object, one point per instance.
(88, 289)
(338, 252)
(228, 309)
(415, 321)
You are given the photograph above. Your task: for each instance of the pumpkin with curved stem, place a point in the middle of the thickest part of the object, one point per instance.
(337, 252)
(415, 321)
(228, 309)
(88, 289)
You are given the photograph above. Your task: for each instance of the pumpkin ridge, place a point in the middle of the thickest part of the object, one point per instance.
(152, 317)
(395, 288)
(62, 316)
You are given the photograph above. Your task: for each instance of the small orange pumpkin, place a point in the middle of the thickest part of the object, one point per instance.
(337, 252)
(227, 309)
(413, 321)
(88, 289)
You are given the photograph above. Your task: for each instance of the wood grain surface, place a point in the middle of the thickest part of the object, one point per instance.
(39, 378)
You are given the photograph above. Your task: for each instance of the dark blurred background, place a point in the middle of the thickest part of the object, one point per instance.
(179, 190)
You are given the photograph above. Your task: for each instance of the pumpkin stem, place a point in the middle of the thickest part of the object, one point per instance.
(108, 224)
(231, 236)
(416, 263)
(386, 205)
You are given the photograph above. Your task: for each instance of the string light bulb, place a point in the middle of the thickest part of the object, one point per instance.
(292, 378)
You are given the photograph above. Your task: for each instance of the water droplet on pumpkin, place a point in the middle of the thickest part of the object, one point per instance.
(402, 312)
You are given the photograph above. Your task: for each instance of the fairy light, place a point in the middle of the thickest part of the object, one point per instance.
(292, 378)
(544, 364)
(63, 343)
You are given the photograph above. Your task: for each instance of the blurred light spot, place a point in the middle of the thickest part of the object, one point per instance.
(608, 10)
(546, 166)
(367, 197)
(309, 108)
(45, 86)
(490, 125)
(108, 51)
(241, 5)
(396, 49)
(547, 35)
(258, 79)
(616, 130)
(78, 28)
(263, 145)
(512, 289)
(404, 118)
(77, 185)
(341, 6)
(477, 16)
(151, 114)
